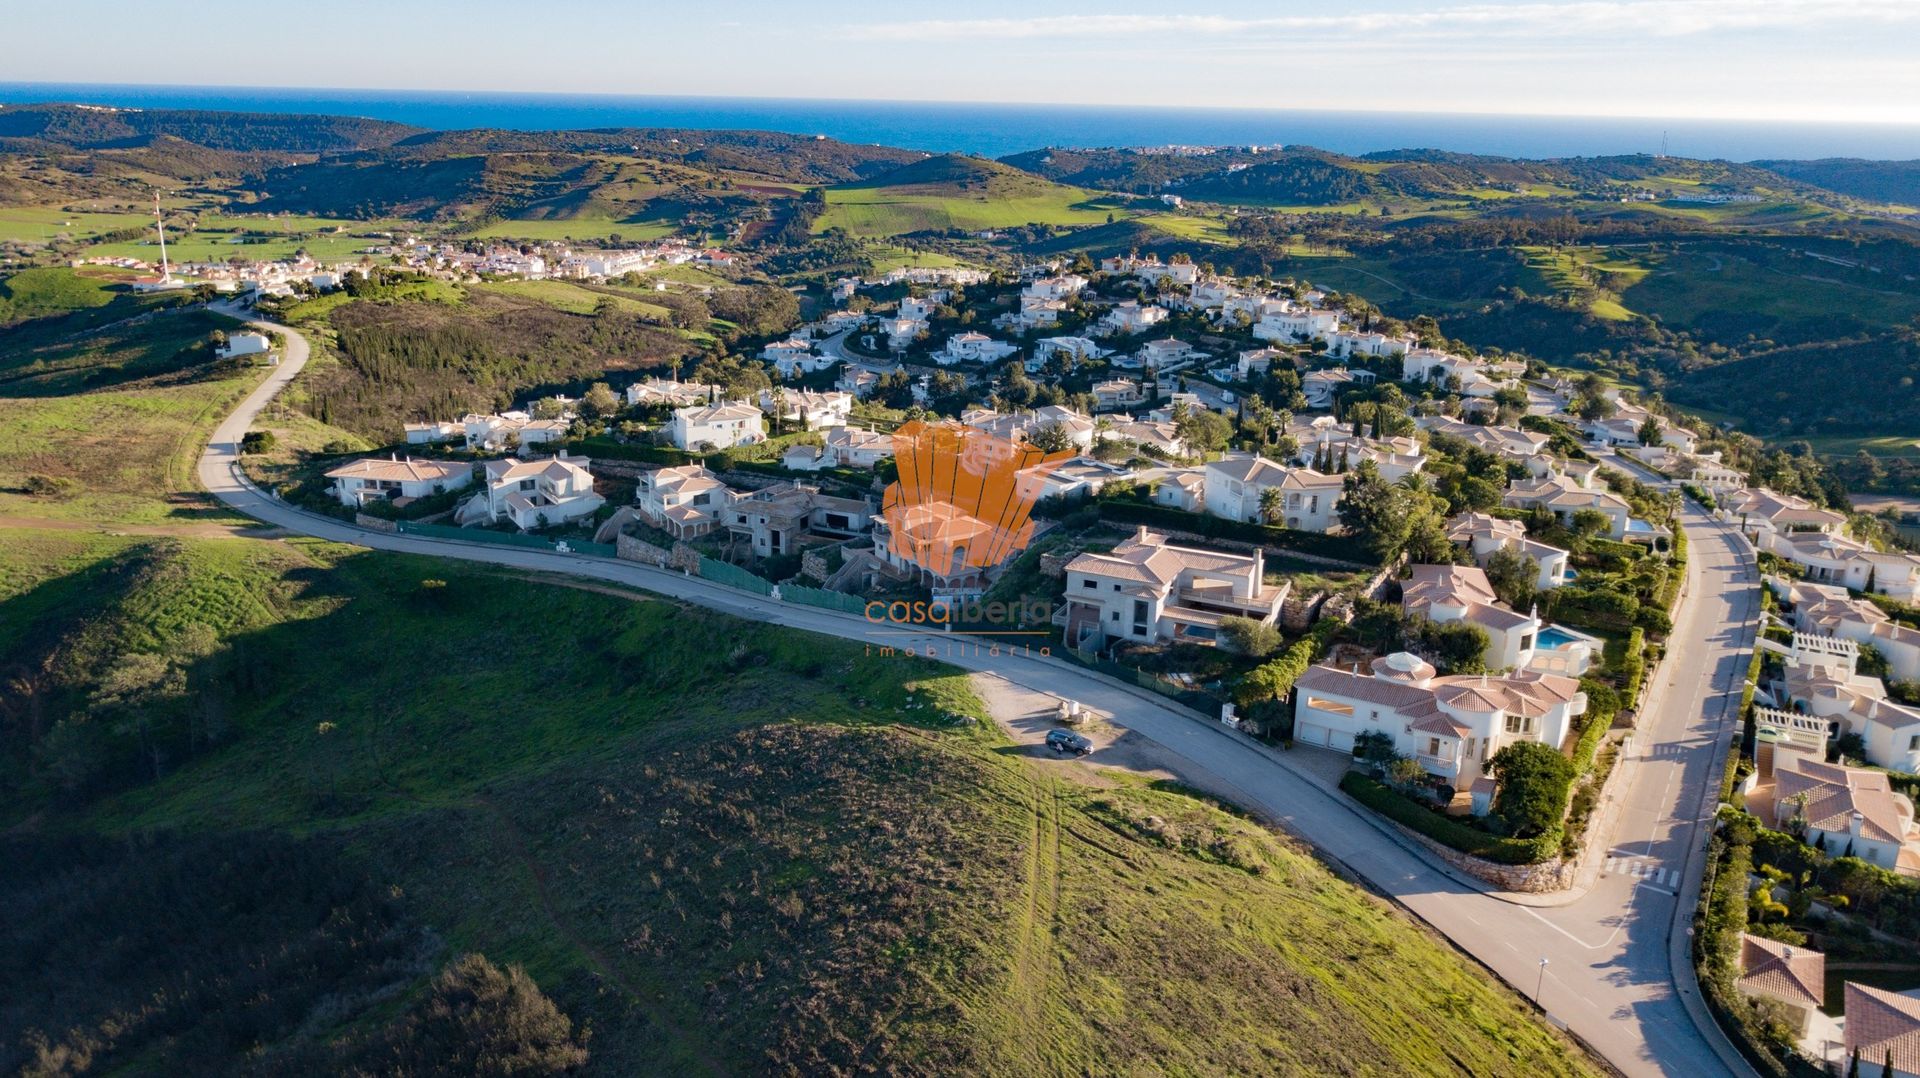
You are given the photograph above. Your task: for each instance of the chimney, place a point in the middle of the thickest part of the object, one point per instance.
(1140, 534)
(1853, 824)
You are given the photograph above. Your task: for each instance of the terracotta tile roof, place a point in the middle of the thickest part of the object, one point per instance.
(1880, 1022)
(401, 471)
(1777, 970)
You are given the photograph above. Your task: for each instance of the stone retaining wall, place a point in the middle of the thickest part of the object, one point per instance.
(377, 524)
(628, 548)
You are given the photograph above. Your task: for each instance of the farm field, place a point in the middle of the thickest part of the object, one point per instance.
(880, 211)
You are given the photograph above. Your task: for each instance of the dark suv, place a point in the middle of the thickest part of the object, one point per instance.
(1068, 741)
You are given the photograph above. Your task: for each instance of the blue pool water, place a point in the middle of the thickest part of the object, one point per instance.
(1553, 636)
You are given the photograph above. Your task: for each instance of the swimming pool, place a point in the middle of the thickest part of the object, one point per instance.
(1554, 636)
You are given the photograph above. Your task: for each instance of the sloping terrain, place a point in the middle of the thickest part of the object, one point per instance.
(724, 848)
(954, 192)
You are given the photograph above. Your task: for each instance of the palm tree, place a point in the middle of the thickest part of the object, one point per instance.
(1272, 505)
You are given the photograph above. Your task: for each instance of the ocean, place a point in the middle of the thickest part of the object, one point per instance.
(996, 130)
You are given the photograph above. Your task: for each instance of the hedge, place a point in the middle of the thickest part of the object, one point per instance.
(1633, 667)
(1449, 832)
(1319, 544)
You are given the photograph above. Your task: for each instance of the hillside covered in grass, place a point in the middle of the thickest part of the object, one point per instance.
(955, 192)
(720, 848)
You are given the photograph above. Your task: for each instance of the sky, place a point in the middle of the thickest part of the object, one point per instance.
(1820, 60)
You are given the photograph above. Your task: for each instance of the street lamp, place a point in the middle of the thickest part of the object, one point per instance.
(1541, 983)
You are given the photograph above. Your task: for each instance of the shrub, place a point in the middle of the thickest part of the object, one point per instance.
(258, 441)
(1446, 831)
(1249, 637)
(1534, 780)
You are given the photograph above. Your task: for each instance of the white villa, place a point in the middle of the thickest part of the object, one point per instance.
(1829, 610)
(1296, 323)
(846, 447)
(1882, 1023)
(433, 433)
(817, 411)
(1452, 725)
(1450, 593)
(1821, 682)
(795, 356)
(1509, 442)
(1847, 811)
(1343, 342)
(1396, 458)
(534, 493)
(685, 501)
(1116, 393)
(1564, 496)
(1258, 361)
(393, 478)
(1322, 388)
(1309, 499)
(1063, 286)
(1149, 589)
(1836, 559)
(668, 391)
(717, 426)
(972, 347)
(1129, 316)
(1184, 489)
(1483, 535)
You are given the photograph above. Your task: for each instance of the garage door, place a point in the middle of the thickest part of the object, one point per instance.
(1313, 733)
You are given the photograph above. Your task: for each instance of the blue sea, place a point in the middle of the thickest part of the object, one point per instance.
(1000, 129)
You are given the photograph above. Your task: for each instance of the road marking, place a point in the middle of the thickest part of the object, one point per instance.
(1589, 946)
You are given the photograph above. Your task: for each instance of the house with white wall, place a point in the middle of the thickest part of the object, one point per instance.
(1459, 593)
(1564, 496)
(685, 502)
(394, 477)
(1483, 536)
(1150, 589)
(973, 347)
(1830, 610)
(717, 426)
(534, 493)
(1130, 316)
(1836, 559)
(1323, 388)
(1847, 811)
(1452, 725)
(1309, 500)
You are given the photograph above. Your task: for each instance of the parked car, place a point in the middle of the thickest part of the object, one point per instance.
(1068, 741)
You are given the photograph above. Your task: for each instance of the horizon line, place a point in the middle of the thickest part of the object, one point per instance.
(618, 95)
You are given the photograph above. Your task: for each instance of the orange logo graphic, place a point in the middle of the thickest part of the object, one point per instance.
(963, 500)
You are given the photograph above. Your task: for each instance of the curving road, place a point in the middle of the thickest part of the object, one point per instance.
(1616, 972)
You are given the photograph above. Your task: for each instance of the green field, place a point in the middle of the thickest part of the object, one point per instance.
(45, 224)
(574, 298)
(885, 211)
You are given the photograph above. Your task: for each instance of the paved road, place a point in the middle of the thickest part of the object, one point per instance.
(1612, 954)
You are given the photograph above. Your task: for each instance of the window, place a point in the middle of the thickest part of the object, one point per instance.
(1331, 707)
(1433, 746)
(1519, 724)
(1913, 743)
(1090, 584)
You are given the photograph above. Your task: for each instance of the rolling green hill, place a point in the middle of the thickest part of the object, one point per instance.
(952, 192)
(721, 847)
